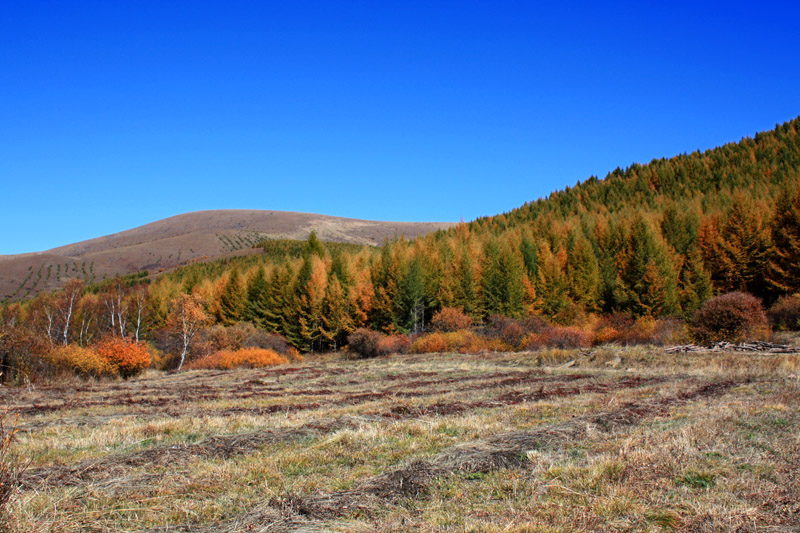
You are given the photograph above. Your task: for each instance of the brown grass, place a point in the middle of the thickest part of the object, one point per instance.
(555, 440)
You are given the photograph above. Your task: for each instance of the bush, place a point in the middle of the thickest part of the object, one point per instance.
(389, 344)
(733, 317)
(450, 319)
(364, 342)
(621, 328)
(128, 357)
(82, 361)
(785, 313)
(368, 343)
(242, 335)
(512, 332)
(558, 337)
(242, 358)
(456, 341)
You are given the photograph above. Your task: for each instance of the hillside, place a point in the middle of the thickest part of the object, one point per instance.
(184, 238)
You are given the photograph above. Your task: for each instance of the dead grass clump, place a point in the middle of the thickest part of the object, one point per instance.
(243, 358)
(734, 317)
(10, 470)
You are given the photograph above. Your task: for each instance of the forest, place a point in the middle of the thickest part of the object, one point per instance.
(644, 245)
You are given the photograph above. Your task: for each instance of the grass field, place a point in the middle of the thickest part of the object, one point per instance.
(619, 439)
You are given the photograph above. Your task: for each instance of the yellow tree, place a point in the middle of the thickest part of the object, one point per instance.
(186, 318)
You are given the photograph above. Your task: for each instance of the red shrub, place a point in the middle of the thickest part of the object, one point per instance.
(450, 319)
(785, 313)
(128, 357)
(734, 317)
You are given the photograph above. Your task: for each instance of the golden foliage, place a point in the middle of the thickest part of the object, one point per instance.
(242, 358)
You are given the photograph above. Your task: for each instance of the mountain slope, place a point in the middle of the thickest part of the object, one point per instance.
(184, 238)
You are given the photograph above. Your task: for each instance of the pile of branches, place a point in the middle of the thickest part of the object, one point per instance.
(754, 346)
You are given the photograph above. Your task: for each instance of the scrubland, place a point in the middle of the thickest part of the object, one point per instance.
(612, 439)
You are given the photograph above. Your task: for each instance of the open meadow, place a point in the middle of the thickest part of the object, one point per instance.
(614, 439)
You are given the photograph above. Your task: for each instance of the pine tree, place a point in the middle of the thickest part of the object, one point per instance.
(412, 301)
(783, 272)
(501, 285)
(256, 308)
(582, 271)
(232, 300)
(647, 282)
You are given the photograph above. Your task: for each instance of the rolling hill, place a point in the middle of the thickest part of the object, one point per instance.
(181, 239)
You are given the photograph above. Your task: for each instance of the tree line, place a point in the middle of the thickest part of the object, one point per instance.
(651, 240)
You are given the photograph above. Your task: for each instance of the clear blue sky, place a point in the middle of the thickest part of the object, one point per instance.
(115, 114)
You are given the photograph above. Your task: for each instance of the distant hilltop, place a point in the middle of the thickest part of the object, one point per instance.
(176, 240)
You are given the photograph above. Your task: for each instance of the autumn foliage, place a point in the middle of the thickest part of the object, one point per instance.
(450, 319)
(457, 342)
(735, 316)
(241, 358)
(368, 343)
(129, 358)
(785, 313)
(82, 361)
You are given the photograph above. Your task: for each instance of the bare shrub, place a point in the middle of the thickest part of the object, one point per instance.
(785, 313)
(450, 319)
(734, 317)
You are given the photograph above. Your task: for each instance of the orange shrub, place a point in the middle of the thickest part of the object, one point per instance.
(128, 357)
(389, 344)
(82, 361)
(558, 337)
(242, 358)
(456, 341)
(450, 319)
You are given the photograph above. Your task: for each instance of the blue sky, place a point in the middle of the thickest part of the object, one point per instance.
(115, 114)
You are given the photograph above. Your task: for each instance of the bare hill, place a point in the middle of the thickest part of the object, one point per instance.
(176, 240)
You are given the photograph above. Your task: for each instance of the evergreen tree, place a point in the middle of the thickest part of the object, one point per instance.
(412, 300)
(232, 300)
(256, 308)
(783, 272)
(501, 284)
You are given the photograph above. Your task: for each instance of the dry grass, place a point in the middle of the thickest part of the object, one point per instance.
(562, 440)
